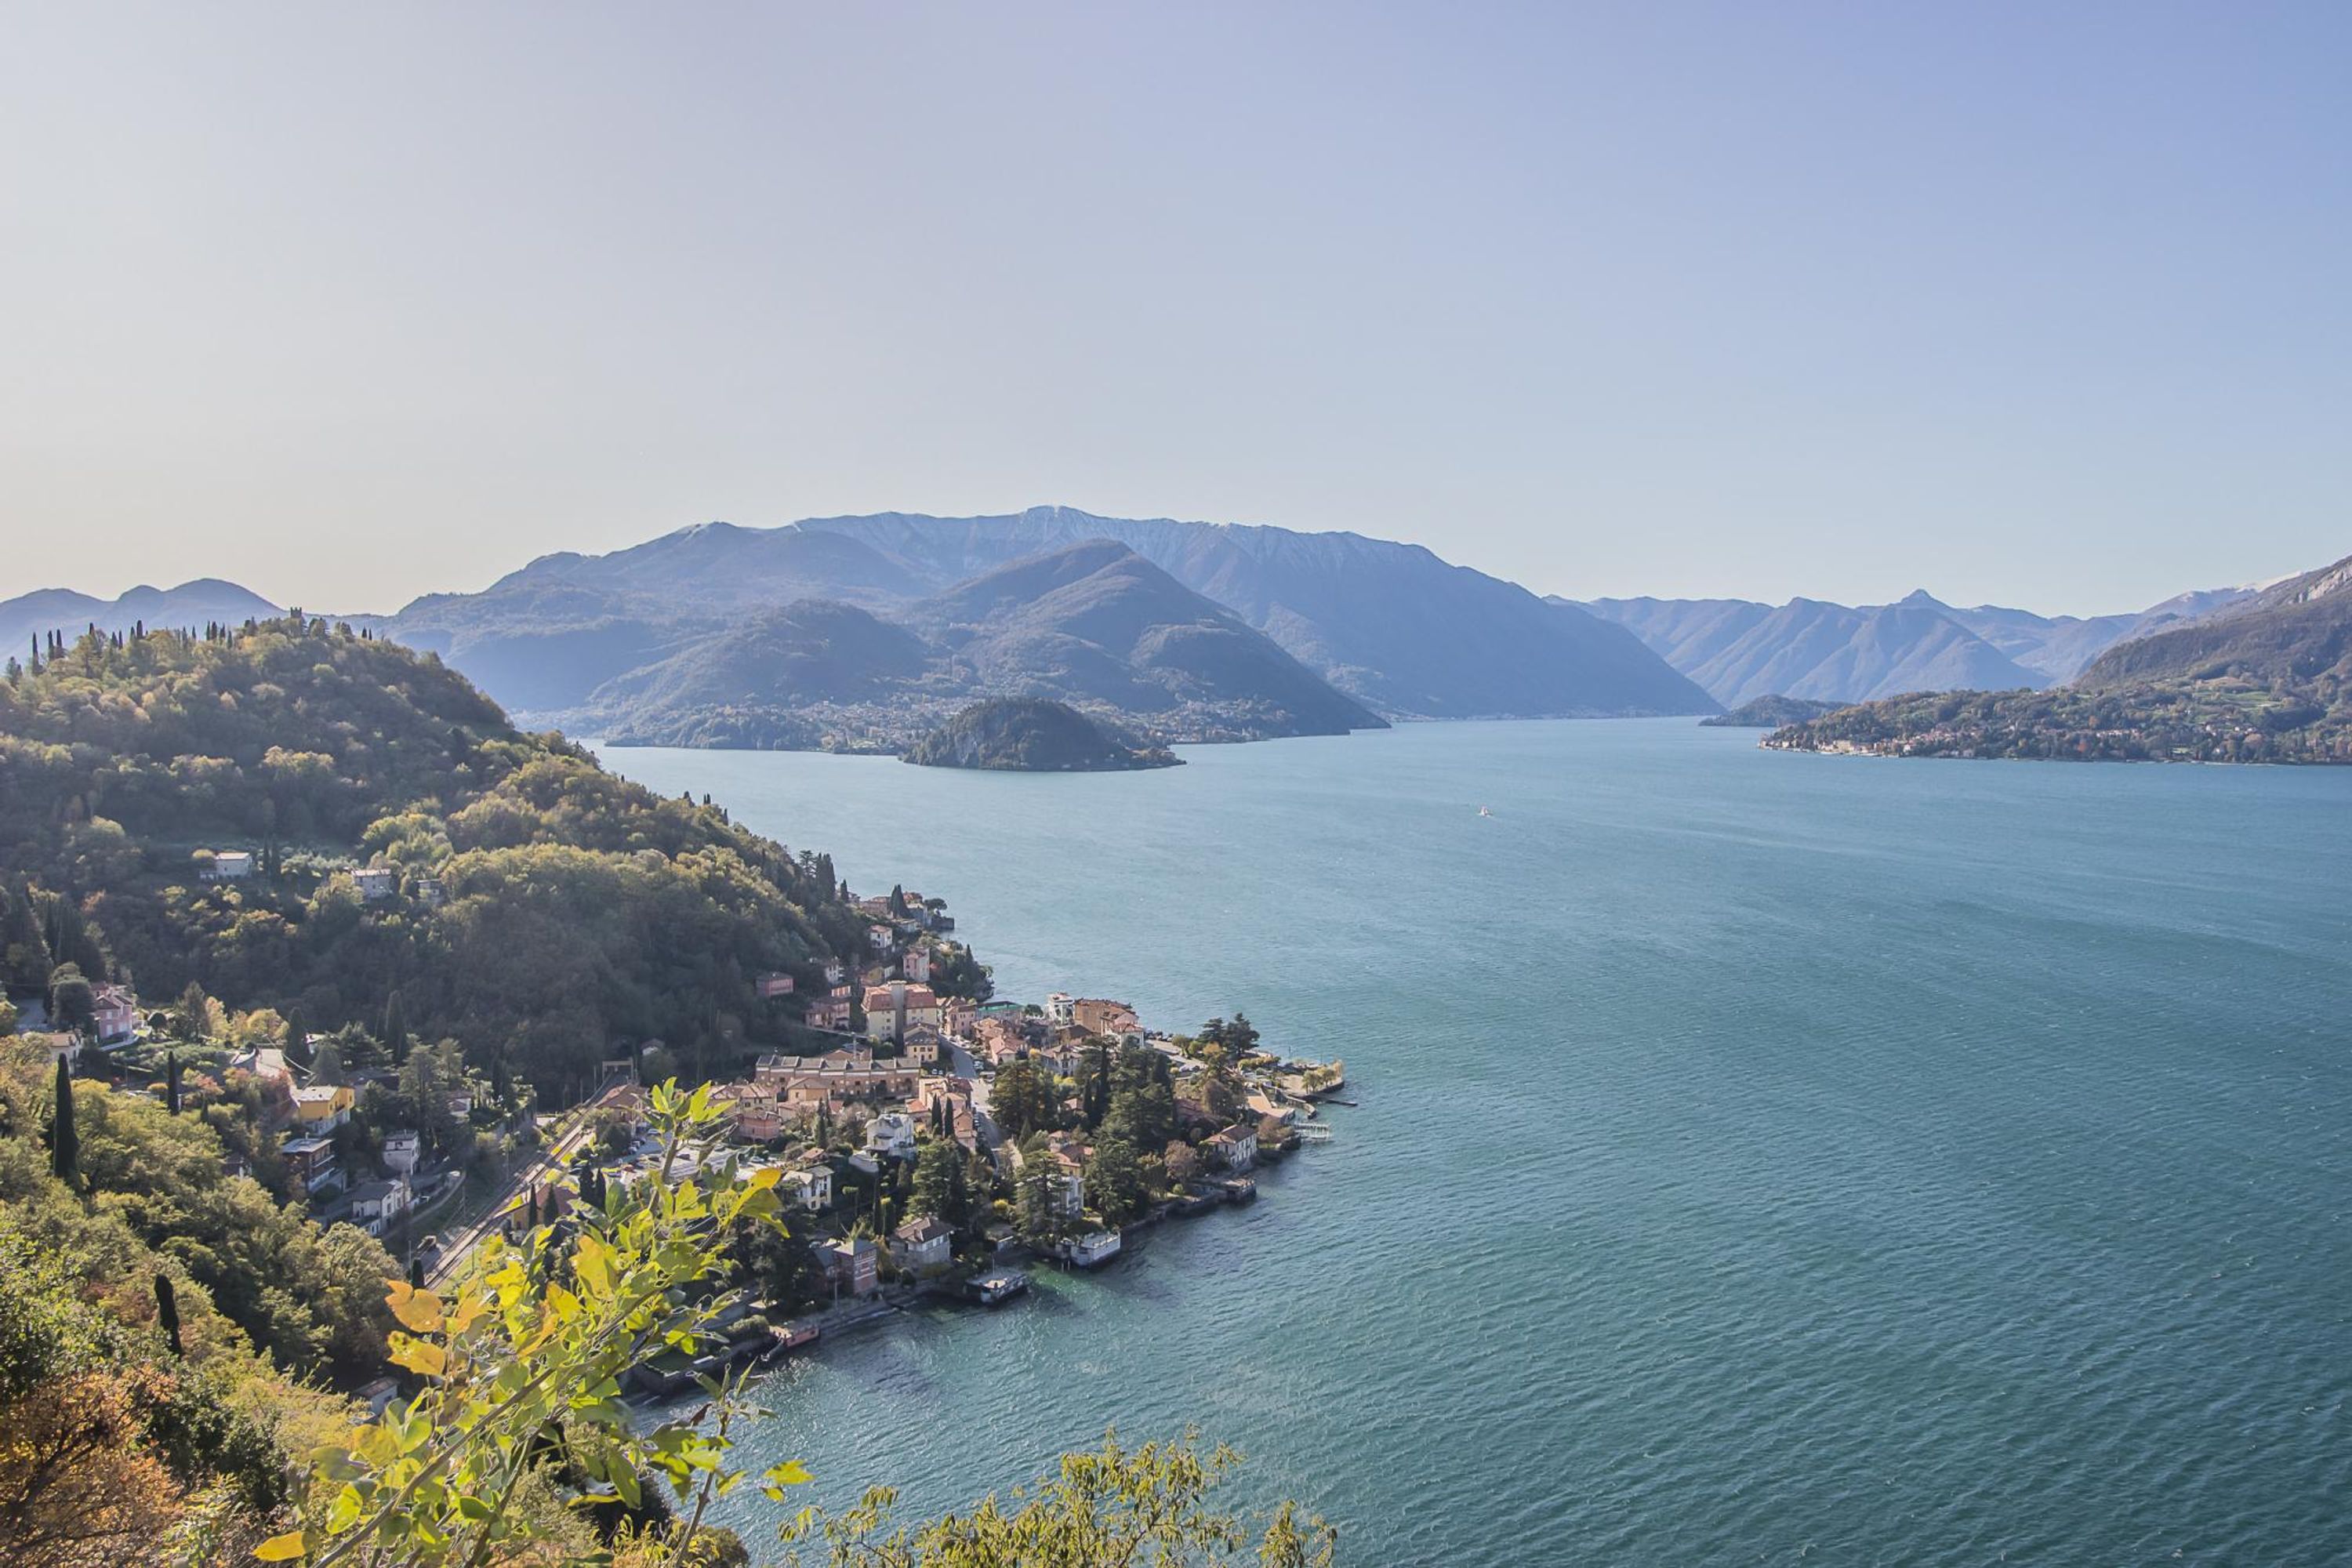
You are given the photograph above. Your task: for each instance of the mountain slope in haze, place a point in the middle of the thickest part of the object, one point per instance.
(1099, 621)
(1739, 649)
(1391, 626)
(1809, 647)
(814, 675)
(190, 605)
(2297, 634)
(1094, 625)
(2268, 678)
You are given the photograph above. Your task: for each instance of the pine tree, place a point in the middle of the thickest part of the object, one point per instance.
(65, 1140)
(298, 1040)
(195, 1013)
(167, 1312)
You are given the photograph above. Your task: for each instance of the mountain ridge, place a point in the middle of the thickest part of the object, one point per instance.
(2265, 678)
(1391, 626)
(1740, 650)
(1093, 625)
(195, 603)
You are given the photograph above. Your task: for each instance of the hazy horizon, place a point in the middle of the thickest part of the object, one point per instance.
(340, 607)
(2033, 307)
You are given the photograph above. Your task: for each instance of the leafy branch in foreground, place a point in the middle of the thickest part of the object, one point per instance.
(518, 1425)
(1108, 1509)
(521, 1376)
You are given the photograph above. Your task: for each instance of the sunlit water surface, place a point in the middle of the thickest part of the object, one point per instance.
(1761, 1158)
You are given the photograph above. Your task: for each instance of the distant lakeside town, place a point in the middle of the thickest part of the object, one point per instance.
(933, 1141)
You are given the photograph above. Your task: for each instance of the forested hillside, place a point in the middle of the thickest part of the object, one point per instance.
(548, 915)
(1030, 734)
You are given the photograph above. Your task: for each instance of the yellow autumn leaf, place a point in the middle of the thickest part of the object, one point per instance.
(286, 1547)
(419, 1311)
(591, 1259)
(760, 1180)
(422, 1356)
(471, 1306)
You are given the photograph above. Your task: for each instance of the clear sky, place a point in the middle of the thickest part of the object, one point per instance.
(2043, 304)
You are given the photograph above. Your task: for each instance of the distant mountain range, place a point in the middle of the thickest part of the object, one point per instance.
(1243, 631)
(865, 632)
(1093, 625)
(1739, 649)
(2265, 676)
(195, 604)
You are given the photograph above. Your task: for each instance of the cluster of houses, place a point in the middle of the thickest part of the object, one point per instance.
(374, 884)
(307, 1119)
(921, 1067)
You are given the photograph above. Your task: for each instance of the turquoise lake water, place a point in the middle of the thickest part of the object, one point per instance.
(1760, 1158)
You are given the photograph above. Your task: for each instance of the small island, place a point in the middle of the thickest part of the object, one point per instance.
(1033, 734)
(1772, 712)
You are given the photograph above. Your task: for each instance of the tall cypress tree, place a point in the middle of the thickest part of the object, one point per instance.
(172, 1082)
(396, 1030)
(167, 1311)
(24, 946)
(65, 1140)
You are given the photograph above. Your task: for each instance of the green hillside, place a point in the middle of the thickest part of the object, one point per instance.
(578, 915)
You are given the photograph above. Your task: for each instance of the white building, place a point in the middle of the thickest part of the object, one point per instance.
(402, 1149)
(377, 1205)
(813, 1183)
(1235, 1147)
(891, 1135)
(232, 866)
(375, 883)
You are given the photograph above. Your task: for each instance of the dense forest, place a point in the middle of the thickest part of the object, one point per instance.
(541, 912)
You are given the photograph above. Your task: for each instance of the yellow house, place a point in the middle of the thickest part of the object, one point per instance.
(322, 1107)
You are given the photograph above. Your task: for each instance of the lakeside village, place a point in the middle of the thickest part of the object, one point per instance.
(937, 1144)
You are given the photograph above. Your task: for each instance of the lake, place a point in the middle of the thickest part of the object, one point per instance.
(1759, 1157)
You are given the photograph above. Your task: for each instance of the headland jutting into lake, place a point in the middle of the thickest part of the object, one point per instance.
(942, 1142)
